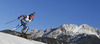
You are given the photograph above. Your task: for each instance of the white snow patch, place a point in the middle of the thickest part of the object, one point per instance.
(11, 39)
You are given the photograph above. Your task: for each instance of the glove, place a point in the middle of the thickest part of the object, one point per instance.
(18, 17)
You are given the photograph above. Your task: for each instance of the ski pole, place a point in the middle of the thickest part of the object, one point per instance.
(11, 21)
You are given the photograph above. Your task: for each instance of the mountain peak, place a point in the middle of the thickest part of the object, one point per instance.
(85, 26)
(72, 29)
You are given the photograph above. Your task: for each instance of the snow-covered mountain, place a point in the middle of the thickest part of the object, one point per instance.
(66, 29)
(11, 39)
(68, 33)
(71, 29)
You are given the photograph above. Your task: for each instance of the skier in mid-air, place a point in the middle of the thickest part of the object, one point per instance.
(24, 22)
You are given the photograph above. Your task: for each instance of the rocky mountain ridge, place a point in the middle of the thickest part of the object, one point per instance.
(66, 29)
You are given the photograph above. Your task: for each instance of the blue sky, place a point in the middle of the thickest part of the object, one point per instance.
(50, 13)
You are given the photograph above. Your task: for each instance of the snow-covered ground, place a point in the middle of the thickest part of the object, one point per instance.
(11, 39)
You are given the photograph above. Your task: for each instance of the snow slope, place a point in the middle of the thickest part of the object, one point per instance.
(11, 39)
